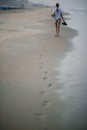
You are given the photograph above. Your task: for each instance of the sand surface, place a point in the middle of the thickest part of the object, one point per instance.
(30, 55)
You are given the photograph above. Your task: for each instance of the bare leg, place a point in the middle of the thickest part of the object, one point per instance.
(58, 26)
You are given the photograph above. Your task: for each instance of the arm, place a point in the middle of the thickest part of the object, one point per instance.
(64, 23)
(62, 17)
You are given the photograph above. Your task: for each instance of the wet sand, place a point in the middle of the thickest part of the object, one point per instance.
(30, 55)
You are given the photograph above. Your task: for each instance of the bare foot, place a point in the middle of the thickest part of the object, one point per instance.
(56, 35)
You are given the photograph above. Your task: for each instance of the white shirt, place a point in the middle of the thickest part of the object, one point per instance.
(57, 14)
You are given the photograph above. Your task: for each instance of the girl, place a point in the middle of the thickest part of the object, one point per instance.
(58, 15)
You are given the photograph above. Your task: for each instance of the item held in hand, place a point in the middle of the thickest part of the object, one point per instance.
(53, 15)
(64, 23)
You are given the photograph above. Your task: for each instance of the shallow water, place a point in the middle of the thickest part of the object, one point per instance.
(73, 75)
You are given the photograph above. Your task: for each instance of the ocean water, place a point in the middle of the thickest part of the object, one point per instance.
(73, 71)
(64, 3)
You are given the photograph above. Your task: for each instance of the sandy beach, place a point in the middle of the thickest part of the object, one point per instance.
(30, 56)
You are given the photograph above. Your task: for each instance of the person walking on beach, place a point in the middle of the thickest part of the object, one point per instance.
(57, 16)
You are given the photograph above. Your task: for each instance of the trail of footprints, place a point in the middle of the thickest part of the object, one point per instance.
(45, 103)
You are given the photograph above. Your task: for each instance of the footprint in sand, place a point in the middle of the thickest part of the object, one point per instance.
(41, 116)
(50, 85)
(44, 78)
(41, 67)
(46, 72)
(40, 58)
(41, 55)
(46, 103)
(43, 93)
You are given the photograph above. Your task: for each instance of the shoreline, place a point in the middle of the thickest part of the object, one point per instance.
(30, 59)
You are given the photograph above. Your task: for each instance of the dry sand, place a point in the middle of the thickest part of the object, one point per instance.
(29, 59)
